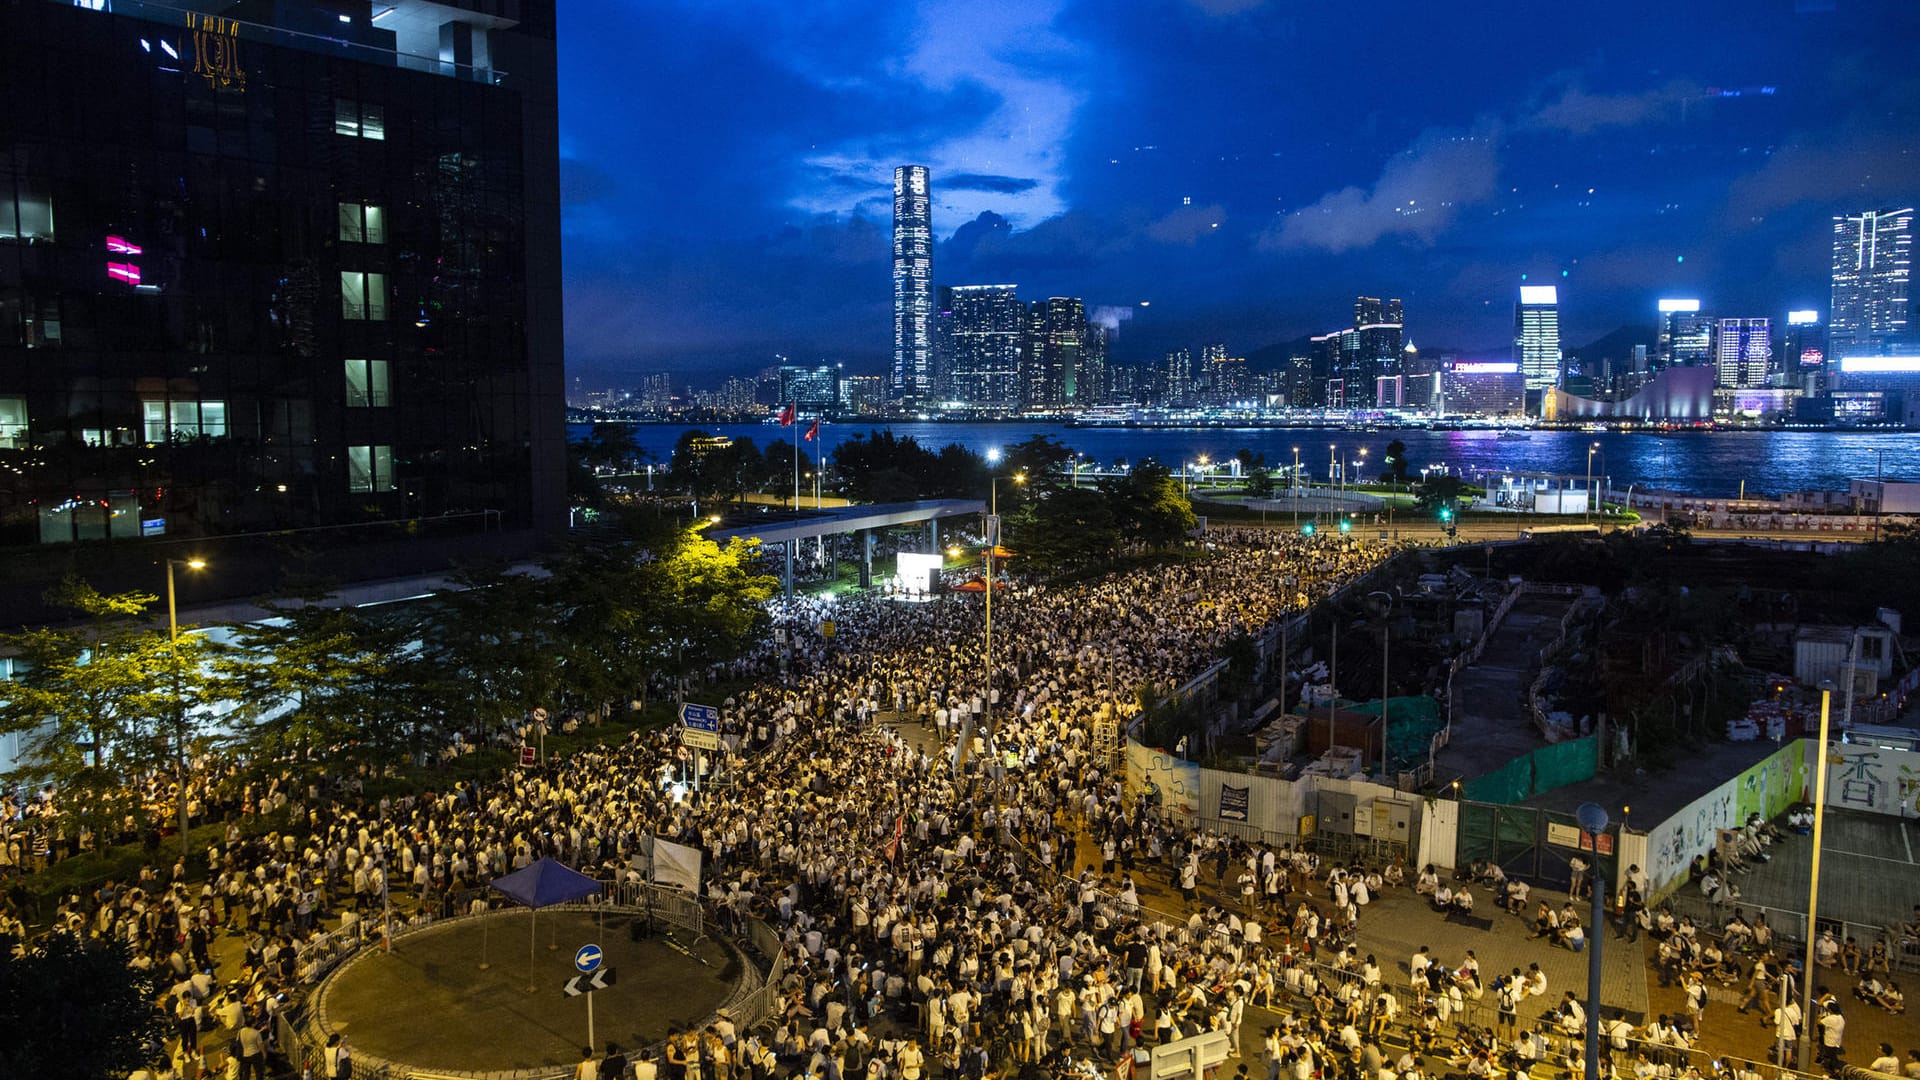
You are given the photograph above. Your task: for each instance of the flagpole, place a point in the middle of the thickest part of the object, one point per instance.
(796, 455)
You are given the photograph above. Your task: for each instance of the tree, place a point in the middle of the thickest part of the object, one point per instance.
(77, 1008)
(1438, 493)
(1043, 458)
(493, 642)
(1148, 505)
(315, 688)
(106, 702)
(1260, 483)
(1396, 463)
(881, 467)
(1065, 529)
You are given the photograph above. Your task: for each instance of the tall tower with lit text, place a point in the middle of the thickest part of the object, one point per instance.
(912, 373)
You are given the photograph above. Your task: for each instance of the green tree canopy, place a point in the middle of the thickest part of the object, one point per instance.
(75, 1009)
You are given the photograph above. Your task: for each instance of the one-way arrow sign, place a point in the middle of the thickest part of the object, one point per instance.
(587, 984)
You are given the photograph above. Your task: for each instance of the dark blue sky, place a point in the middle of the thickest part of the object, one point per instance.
(727, 167)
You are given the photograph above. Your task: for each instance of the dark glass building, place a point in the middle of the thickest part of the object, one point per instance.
(277, 269)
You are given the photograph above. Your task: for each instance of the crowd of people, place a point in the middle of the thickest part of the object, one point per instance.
(942, 913)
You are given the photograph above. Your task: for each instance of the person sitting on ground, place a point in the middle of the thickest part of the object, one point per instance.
(1463, 901)
(1882, 992)
(1442, 897)
(1395, 877)
(1427, 882)
(1574, 935)
(1516, 896)
(1545, 922)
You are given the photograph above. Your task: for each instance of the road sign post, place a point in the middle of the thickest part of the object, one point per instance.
(588, 961)
(700, 729)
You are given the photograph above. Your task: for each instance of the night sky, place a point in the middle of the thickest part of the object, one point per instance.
(727, 167)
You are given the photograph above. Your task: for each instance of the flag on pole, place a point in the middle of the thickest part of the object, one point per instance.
(812, 431)
(789, 413)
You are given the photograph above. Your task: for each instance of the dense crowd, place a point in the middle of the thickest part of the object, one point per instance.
(939, 920)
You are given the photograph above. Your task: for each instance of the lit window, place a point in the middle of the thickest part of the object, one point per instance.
(26, 210)
(13, 423)
(169, 421)
(362, 121)
(362, 295)
(362, 224)
(367, 384)
(369, 468)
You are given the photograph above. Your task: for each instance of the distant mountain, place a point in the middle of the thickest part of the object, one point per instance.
(1275, 357)
(1618, 344)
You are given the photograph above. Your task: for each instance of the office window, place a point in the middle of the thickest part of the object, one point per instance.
(362, 224)
(169, 421)
(13, 423)
(362, 295)
(26, 210)
(29, 321)
(367, 384)
(358, 120)
(369, 468)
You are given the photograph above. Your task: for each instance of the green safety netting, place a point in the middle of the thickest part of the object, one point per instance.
(1535, 773)
(1411, 723)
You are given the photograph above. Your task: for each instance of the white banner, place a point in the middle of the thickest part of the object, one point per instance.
(677, 865)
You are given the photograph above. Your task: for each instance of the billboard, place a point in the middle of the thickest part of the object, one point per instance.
(1539, 294)
(917, 568)
(1880, 365)
(1802, 318)
(1668, 307)
(1486, 367)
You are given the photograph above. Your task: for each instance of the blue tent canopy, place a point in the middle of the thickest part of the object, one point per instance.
(546, 883)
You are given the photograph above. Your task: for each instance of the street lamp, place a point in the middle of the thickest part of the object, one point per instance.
(179, 720)
(1386, 669)
(1591, 450)
(1593, 821)
(993, 540)
(1296, 486)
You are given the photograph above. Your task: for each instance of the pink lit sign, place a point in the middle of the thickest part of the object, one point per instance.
(120, 245)
(126, 272)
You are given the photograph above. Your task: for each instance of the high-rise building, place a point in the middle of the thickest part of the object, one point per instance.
(295, 273)
(1300, 383)
(989, 325)
(913, 370)
(1095, 377)
(1803, 360)
(1872, 260)
(1536, 335)
(1379, 336)
(1051, 364)
(813, 388)
(942, 340)
(1686, 334)
(1176, 379)
(1742, 351)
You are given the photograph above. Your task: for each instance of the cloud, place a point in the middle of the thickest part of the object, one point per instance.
(1419, 193)
(1188, 224)
(1006, 185)
(1578, 112)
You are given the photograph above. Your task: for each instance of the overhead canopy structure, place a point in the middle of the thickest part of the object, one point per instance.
(847, 519)
(546, 883)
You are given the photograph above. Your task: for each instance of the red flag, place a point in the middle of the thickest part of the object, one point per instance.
(812, 431)
(899, 830)
(788, 414)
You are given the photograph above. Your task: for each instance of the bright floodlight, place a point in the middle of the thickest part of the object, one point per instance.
(196, 564)
(993, 456)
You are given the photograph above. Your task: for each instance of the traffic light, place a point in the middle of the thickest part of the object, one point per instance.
(1346, 525)
(1307, 529)
(1446, 513)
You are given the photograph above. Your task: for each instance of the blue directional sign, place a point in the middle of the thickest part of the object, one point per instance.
(587, 958)
(700, 726)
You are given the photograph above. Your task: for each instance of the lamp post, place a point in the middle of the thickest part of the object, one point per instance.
(1296, 487)
(1333, 475)
(1813, 883)
(1880, 490)
(1386, 670)
(993, 540)
(179, 718)
(1588, 504)
(1593, 821)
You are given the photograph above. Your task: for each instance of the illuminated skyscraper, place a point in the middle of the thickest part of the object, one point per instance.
(1686, 335)
(1379, 336)
(1536, 335)
(913, 368)
(1053, 365)
(1872, 259)
(1742, 350)
(989, 325)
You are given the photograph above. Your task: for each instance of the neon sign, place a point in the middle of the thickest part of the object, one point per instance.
(126, 272)
(120, 245)
(216, 51)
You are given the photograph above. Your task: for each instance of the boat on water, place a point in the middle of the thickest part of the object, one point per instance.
(1512, 436)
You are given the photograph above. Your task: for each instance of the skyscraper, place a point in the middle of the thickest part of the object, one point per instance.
(1686, 334)
(1536, 335)
(301, 273)
(1177, 379)
(1379, 332)
(989, 325)
(913, 368)
(1742, 350)
(1053, 364)
(1872, 259)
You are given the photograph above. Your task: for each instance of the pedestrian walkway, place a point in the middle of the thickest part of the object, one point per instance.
(1491, 722)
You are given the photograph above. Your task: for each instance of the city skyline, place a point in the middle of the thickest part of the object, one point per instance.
(1247, 207)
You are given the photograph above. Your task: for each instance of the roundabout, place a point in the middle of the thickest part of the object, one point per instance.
(431, 1004)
